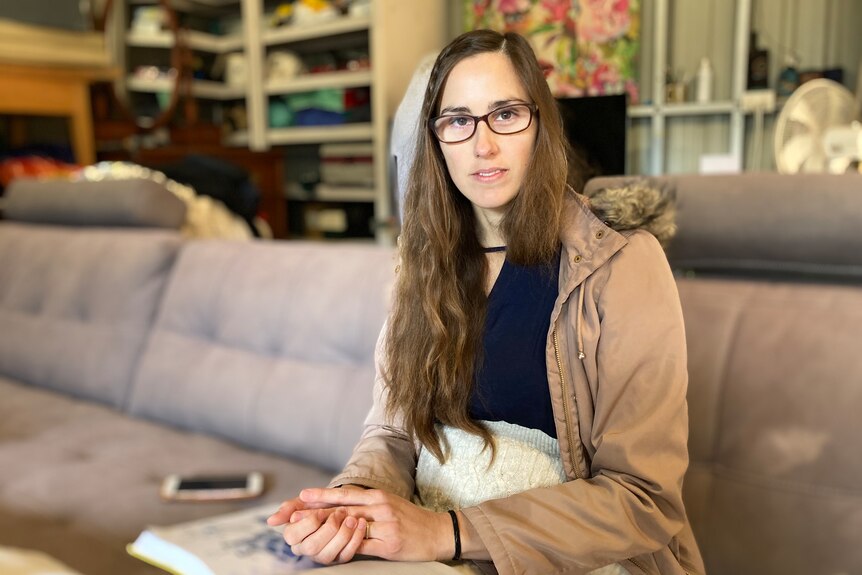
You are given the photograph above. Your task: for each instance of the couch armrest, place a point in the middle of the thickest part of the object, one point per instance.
(114, 203)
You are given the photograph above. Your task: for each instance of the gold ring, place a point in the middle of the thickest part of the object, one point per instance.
(368, 529)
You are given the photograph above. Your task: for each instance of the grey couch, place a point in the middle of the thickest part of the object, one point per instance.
(770, 278)
(128, 354)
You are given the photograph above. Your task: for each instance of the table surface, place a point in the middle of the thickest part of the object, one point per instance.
(17, 561)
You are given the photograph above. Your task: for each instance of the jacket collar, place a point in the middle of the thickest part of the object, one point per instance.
(586, 240)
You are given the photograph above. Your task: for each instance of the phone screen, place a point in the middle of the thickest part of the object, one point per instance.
(200, 484)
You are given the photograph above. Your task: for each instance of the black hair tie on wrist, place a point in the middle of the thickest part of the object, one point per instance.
(457, 531)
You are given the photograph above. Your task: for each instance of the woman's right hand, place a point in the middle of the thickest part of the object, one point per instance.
(325, 536)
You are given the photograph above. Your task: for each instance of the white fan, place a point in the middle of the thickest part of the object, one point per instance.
(816, 131)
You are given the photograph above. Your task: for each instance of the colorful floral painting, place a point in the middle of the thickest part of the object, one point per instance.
(589, 46)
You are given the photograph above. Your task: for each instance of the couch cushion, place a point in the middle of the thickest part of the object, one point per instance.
(269, 344)
(774, 394)
(76, 304)
(80, 480)
(135, 202)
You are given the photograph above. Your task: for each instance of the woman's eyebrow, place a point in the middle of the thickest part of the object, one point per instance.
(501, 103)
(455, 110)
(492, 106)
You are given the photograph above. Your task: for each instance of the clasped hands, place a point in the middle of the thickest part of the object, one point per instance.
(330, 526)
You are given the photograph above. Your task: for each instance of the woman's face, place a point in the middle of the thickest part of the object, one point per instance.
(489, 168)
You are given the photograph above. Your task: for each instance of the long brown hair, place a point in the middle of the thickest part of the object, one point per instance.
(433, 342)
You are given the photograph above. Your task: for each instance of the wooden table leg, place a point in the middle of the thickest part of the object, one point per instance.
(17, 131)
(81, 123)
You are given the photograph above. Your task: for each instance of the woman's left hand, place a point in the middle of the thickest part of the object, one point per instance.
(398, 530)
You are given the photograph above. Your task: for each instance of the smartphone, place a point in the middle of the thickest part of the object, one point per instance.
(212, 487)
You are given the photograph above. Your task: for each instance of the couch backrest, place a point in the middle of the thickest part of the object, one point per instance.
(76, 304)
(775, 482)
(269, 345)
(770, 284)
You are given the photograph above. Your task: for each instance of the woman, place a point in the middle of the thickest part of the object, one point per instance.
(530, 402)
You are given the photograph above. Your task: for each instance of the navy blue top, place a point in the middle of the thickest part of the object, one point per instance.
(512, 381)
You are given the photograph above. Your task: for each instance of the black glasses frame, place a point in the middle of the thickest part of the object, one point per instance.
(534, 110)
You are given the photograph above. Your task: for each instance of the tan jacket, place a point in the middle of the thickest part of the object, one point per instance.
(616, 360)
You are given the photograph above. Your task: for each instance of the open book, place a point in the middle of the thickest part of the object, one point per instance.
(241, 543)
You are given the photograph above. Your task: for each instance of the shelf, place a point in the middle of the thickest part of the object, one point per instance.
(310, 82)
(195, 40)
(330, 193)
(320, 134)
(697, 109)
(682, 109)
(640, 111)
(238, 138)
(200, 88)
(287, 34)
(336, 199)
(149, 39)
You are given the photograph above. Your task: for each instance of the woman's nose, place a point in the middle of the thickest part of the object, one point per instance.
(485, 141)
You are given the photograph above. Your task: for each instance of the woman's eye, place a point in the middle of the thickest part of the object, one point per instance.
(460, 121)
(506, 115)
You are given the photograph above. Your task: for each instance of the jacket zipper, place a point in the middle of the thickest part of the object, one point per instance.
(638, 564)
(569, 435)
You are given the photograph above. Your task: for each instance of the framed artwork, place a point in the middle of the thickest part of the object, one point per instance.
(589, 47)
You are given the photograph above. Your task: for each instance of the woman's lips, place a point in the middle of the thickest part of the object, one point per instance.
(489, 175)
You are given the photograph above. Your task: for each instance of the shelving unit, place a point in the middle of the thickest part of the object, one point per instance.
(132, 43)
(659, 112)
(395, 45)
(262, 137)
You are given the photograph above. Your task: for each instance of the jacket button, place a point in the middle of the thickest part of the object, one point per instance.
(600, 234)
(577, 259)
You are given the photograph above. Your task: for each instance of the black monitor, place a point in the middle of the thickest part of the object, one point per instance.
(596, 128)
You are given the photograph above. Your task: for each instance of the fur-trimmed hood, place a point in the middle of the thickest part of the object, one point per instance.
(632, 204)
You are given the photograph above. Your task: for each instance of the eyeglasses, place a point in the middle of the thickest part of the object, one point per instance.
(455, 128)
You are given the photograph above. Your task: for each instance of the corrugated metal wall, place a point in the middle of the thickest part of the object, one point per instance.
(823, 34)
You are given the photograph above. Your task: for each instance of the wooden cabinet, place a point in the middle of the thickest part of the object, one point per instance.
(48, 72)
(53, 91)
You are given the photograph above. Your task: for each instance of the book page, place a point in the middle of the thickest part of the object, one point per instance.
(242, 543)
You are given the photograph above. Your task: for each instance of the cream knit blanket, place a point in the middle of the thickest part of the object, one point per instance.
(526, 458)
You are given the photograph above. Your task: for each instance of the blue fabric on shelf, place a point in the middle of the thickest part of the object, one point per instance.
(316, 117)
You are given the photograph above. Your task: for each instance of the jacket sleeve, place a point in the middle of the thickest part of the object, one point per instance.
(385, 457)
(631, 504)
